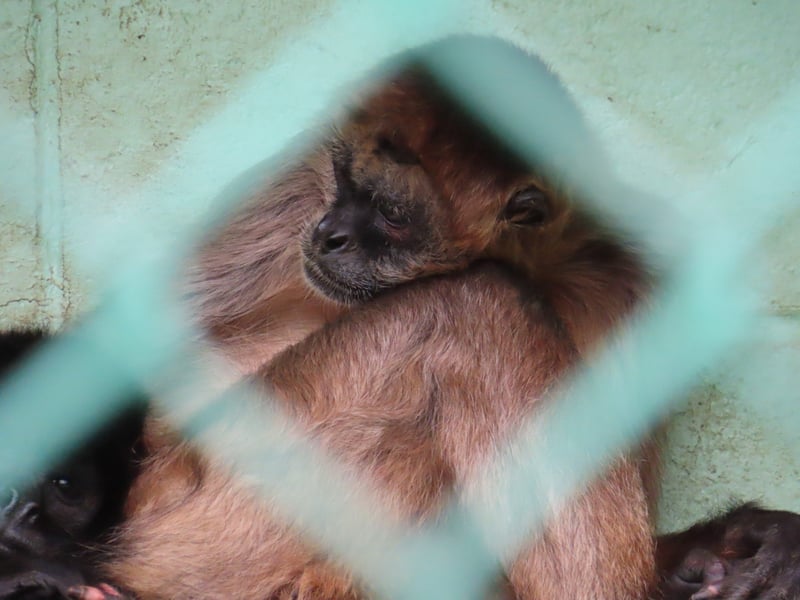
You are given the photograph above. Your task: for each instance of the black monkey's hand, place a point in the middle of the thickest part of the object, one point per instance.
(35, 585)
(760, 559)
(700, 572)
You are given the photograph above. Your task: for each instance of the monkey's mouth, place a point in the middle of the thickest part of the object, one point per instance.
(334, 288)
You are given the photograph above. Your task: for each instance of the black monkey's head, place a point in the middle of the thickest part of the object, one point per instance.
(49, 526)
(42, 527)
(416, 186)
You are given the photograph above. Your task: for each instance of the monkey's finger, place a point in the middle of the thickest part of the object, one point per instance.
(747, 583)
(88, 592)
(85, 592)
(109, 591)
(714, 574)
(707, 593)
(702, 567)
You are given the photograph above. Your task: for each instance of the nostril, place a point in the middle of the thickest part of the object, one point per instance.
(334, 242)
(8, 498)
(334, 233)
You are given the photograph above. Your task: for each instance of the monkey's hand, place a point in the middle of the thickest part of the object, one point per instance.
(102, 591)
(701, 572)
(36, 585)
(760, 559)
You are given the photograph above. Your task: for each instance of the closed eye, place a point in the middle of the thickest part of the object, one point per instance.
(393, 218)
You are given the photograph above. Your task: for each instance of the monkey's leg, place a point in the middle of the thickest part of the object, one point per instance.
(598, 547)
(218, 541)
(191, 531)
(408, 475)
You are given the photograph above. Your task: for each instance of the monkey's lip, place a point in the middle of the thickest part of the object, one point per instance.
(333, 288)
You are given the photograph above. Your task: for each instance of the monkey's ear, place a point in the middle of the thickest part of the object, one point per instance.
(528, 206)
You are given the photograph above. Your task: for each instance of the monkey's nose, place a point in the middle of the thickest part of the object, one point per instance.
(27, 513)
(330, 235)
(8, 499)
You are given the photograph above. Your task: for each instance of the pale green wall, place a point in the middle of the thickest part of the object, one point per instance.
(101, 94)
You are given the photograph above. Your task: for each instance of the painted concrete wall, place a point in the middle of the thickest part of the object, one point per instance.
(100, 94)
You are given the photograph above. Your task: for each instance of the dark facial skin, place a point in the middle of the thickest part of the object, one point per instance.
(51, 526)
(366, 243)
(369, 240)
(747, 553)
(40, 530)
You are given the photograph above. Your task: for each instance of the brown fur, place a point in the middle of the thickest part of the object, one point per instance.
(248, 286)
(416, 388)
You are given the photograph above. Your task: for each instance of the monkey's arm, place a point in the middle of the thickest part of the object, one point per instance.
(748, 552)
(452, 365)
(246, 284)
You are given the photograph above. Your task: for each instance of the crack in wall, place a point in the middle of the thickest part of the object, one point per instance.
(787, 311)
(20, 302)
(45, 99)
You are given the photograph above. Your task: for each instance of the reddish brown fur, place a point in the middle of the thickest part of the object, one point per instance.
(247, 285)
(440, 372)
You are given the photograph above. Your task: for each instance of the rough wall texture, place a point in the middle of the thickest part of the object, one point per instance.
(98, 93)
(22, 293)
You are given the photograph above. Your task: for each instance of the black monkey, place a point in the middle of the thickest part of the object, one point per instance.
(52, 530)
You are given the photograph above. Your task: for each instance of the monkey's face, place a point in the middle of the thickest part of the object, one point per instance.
(46, 516)
(416, 188)
(41, 529)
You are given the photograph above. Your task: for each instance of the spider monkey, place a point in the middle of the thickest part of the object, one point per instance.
(50, 528)
(459, 284)
(410, 291)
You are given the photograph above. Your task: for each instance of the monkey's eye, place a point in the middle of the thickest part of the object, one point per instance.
(66, 489)
(392, 217)
(528, 206)
(396, 150)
